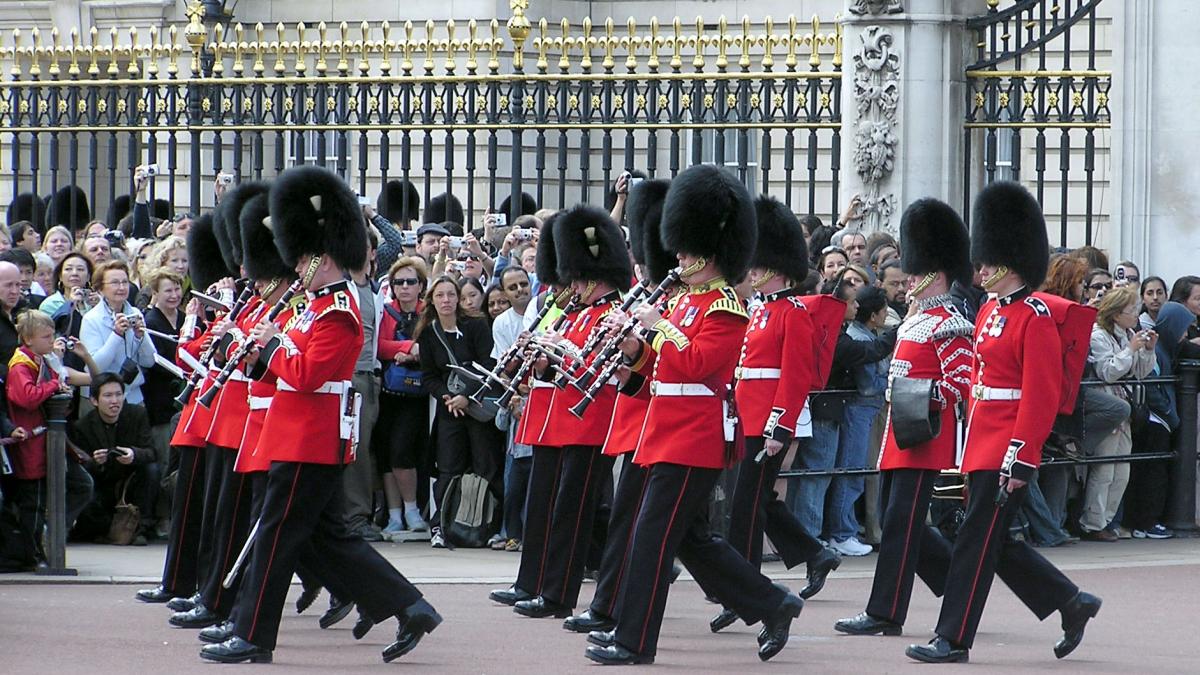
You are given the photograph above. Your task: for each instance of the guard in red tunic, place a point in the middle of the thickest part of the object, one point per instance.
(690, 355)
(311, 422)
(928, 387)
(594, 262)
(774, 376)
(1017, 391)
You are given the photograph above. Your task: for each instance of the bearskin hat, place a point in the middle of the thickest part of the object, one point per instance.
(781, 246)
(546, 260)
(591, 247)
(313, 211)
(27, 206)
(205, 264)
(161, 209)
(117, 209)
(529, 206)
(643, 214)
(709, 213)
(1008, 228)
(260, 257)
(227, 219)
(444, 208)
(390, 202)
(934, 239)
(62, 203)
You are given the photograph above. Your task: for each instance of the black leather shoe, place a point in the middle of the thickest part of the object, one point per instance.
(589, 621)
(235, 650)
(217, 633)
(306, 599)
(602, 638)
(154, 595)
(818, 569)
(616, 655)
(1075, 615)
(419, 620)
(337, 611)
(197, 617)
(509, 596)
(865, 624)
(184, 604)
(723, 620)
(540, 608)
(939, 650)
(777, 627)
(362, 626)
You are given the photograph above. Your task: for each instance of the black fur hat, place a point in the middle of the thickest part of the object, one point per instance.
(260, 257)
(643, 215)
(781, 247)
(546, 260)
(390, 202)
(161, 209)
(313, 211)
(117, 209)
(205, 265)
(709, 213)
(591, 247)
(227, 217)
(444, 208)
(934, 239)
(59, 210)
(1008, 228)
(27, 206)
(529, 206)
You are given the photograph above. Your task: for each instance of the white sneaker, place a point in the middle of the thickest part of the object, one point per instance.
(415, 522)
(393, 527)
(851, 547)
(436, 540)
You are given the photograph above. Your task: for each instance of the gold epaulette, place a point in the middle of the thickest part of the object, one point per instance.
(728, 302)
(342, 302)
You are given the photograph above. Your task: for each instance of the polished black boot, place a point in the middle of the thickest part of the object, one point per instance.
(217, 633)
(307, 597)
(602, 638)
(616, 655)
(818, 569)
(540, 608)
(235, 650)
(777, 627)
(723, 620)
(589, 621)
(338, 610)
(419, 620)
(939, 650)
(865, 624)
(155, 595)
(184, 604)
(509, 596)
(362, 626)
(1075, 615)
(198, 617)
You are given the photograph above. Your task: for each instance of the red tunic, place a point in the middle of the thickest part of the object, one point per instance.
(775, 367)
(1016, 348)
(314, 363)
(628, 419)
(696, 346)
(27, 391)
(563, 428)
(934, 344)
(261, 392)
(231, 407)
(182, 436)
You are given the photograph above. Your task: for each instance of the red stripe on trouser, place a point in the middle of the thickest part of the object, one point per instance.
(978, 570)
(912, 514)
(662, 553)
(583, 497)
(549, 517)
(762, 470)
(271, 558)
(637, 510)
(237, 502)
(187, 506)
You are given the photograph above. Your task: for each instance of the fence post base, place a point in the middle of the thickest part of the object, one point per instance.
(1181, 510)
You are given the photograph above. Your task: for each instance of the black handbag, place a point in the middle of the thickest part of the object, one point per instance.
(913, 421)
(486, 410)
(1139, 407)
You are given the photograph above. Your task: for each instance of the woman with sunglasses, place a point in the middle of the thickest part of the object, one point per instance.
(1096, 283)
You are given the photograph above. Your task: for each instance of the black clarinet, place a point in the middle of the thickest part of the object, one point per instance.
(527, 364)
(596, 337)
(244, 349)
(207, 355)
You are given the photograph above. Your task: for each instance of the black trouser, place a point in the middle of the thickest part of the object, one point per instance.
(465, 444)
(213, 464)
(516, 484)
(31, 497)
(627, 500)
(757, 506)
(303, 506)
(672, 521)
(180, 576)
(138, 484)
(907, 546)
(583, 471)
(230, 527)
(983, 548)
(539, 505)
(1146, 495)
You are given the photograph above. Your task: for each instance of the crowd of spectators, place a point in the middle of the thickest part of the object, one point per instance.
(87, 307)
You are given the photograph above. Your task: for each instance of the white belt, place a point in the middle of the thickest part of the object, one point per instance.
(983, 393)
(540, 384)
(338, 387)
(238, 376)
(260, 402)
(758, 373)
(676, 389)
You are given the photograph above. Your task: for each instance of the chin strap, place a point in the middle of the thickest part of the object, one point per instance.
(311, 272)
(694, 267)
(1001, 272)
(922, 285)
(764, 280)
(270, 288)
(586, 296)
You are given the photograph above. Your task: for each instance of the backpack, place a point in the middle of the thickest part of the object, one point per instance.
(470, 512)
(402, 380)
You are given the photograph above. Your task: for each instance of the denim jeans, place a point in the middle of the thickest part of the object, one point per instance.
(1044, 527)
(853, 449)
(821, 453)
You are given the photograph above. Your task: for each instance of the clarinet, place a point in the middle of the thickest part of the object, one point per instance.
(527, 364)
(596, 337)
(244, 349)
(207, 355)
(610, 357)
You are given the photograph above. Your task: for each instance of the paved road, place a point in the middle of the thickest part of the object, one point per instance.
(1147, 625)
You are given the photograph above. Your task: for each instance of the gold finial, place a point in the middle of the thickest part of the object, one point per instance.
(239, 45)
(722, 43)
(364, 66)
(472, 45)
(768, 42)
(195, 32)
(94, 51)
(542, 43)
(155, 51)
(323, 46)
(837, 41)
(15, 71)
(113, 70)
(993, 4)
(790, 61)
(406, 64)
(260, 35)
(343, 64)
(585, 61)
(430, 44)
(301, 49)
(134, 53)
(518, 30)
(173, 51)
(564, 63)
(655, 43)
(609, 40)
(385, 66)
(744, 60)
(451, 47)
(814, 58)
(633, 42)
(73, 69)
(493, 63)
(35, 66)
(280, 48)
(701, 41)
(54, 69)
(677, 51)
(218, 66)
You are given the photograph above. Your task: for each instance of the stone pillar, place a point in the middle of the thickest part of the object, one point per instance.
(903, 105)
(1155, 132)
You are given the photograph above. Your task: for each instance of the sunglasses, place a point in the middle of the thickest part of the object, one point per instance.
(517, 286)
(405, 282)
(1101, 286)
(466, 257)
(833, 249)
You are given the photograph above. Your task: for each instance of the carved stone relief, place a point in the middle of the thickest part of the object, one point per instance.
(877, 94)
